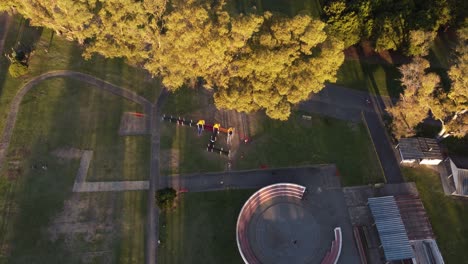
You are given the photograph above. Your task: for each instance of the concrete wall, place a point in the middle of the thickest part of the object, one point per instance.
(430, 161)
(454, 173)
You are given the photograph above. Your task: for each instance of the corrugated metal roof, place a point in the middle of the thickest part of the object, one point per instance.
(391, 230)
(419, 148)
(414, 217)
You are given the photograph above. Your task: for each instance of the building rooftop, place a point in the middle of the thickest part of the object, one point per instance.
(460, 162)
(427, 251)
(419, 148)
(391, 229)
(414, 217)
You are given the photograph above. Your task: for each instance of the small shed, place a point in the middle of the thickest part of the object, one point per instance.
(459, 167)
(420, 150)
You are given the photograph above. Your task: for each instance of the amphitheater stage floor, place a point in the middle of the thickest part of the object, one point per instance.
(286, 230)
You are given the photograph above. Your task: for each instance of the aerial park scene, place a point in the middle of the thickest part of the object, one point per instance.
(233, 131)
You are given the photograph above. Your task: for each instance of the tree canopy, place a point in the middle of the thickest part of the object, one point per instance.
(251, 61)
(165, 198)
(403, 25)
(424, 97)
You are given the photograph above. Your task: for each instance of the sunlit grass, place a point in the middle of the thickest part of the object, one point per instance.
(321, 140)
(447, 214)
(379, 79)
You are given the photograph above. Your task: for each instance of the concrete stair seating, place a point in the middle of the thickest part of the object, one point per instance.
(333, 255)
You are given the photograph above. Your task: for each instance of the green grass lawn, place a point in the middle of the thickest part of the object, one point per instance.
(379, 79)
(320, 140)
(295, 142)
(202, 229)
(182, 151)
(447, 214)
(62, 113)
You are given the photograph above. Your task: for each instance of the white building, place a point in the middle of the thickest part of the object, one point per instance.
(420, 150)
(459, 167)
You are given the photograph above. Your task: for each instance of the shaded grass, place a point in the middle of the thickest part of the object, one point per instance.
(57, 53)
(447, 214)
(379, 79)
(318, 141)
(202, 229)
(131, 244)
(183, 101)
(187, 151)
(64, 113)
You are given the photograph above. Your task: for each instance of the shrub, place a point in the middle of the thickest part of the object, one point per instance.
(165, 198)
(17, 69)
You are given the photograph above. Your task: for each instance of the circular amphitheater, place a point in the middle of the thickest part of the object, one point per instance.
(275, 225)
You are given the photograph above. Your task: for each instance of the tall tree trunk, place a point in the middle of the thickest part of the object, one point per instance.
(443, 133)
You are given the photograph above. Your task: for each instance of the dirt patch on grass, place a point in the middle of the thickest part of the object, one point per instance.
(170, 159)
(366, 52)
(67, 153)
(133, 123)
(86, 222)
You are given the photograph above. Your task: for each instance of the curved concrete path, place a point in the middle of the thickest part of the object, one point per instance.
(97, 83)
(153, 123)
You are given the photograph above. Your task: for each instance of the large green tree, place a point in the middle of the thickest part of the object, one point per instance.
(458, 95)
(343, 24)
(405, 25)
(252, 61)
(417, 100)
(285, 62)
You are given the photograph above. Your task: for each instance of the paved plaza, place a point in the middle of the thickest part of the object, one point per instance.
(288, 230)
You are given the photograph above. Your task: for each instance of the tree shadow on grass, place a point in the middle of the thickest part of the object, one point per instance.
(44, 184)
(19, 33)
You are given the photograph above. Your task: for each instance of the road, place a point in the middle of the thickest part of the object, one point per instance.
(383, 148)
(153, 211)
(317, 175)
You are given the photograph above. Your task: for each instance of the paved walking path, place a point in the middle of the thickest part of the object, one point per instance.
(317, 175)
(384, 148)
(153, 211)
(113, 186)
(81, 185)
